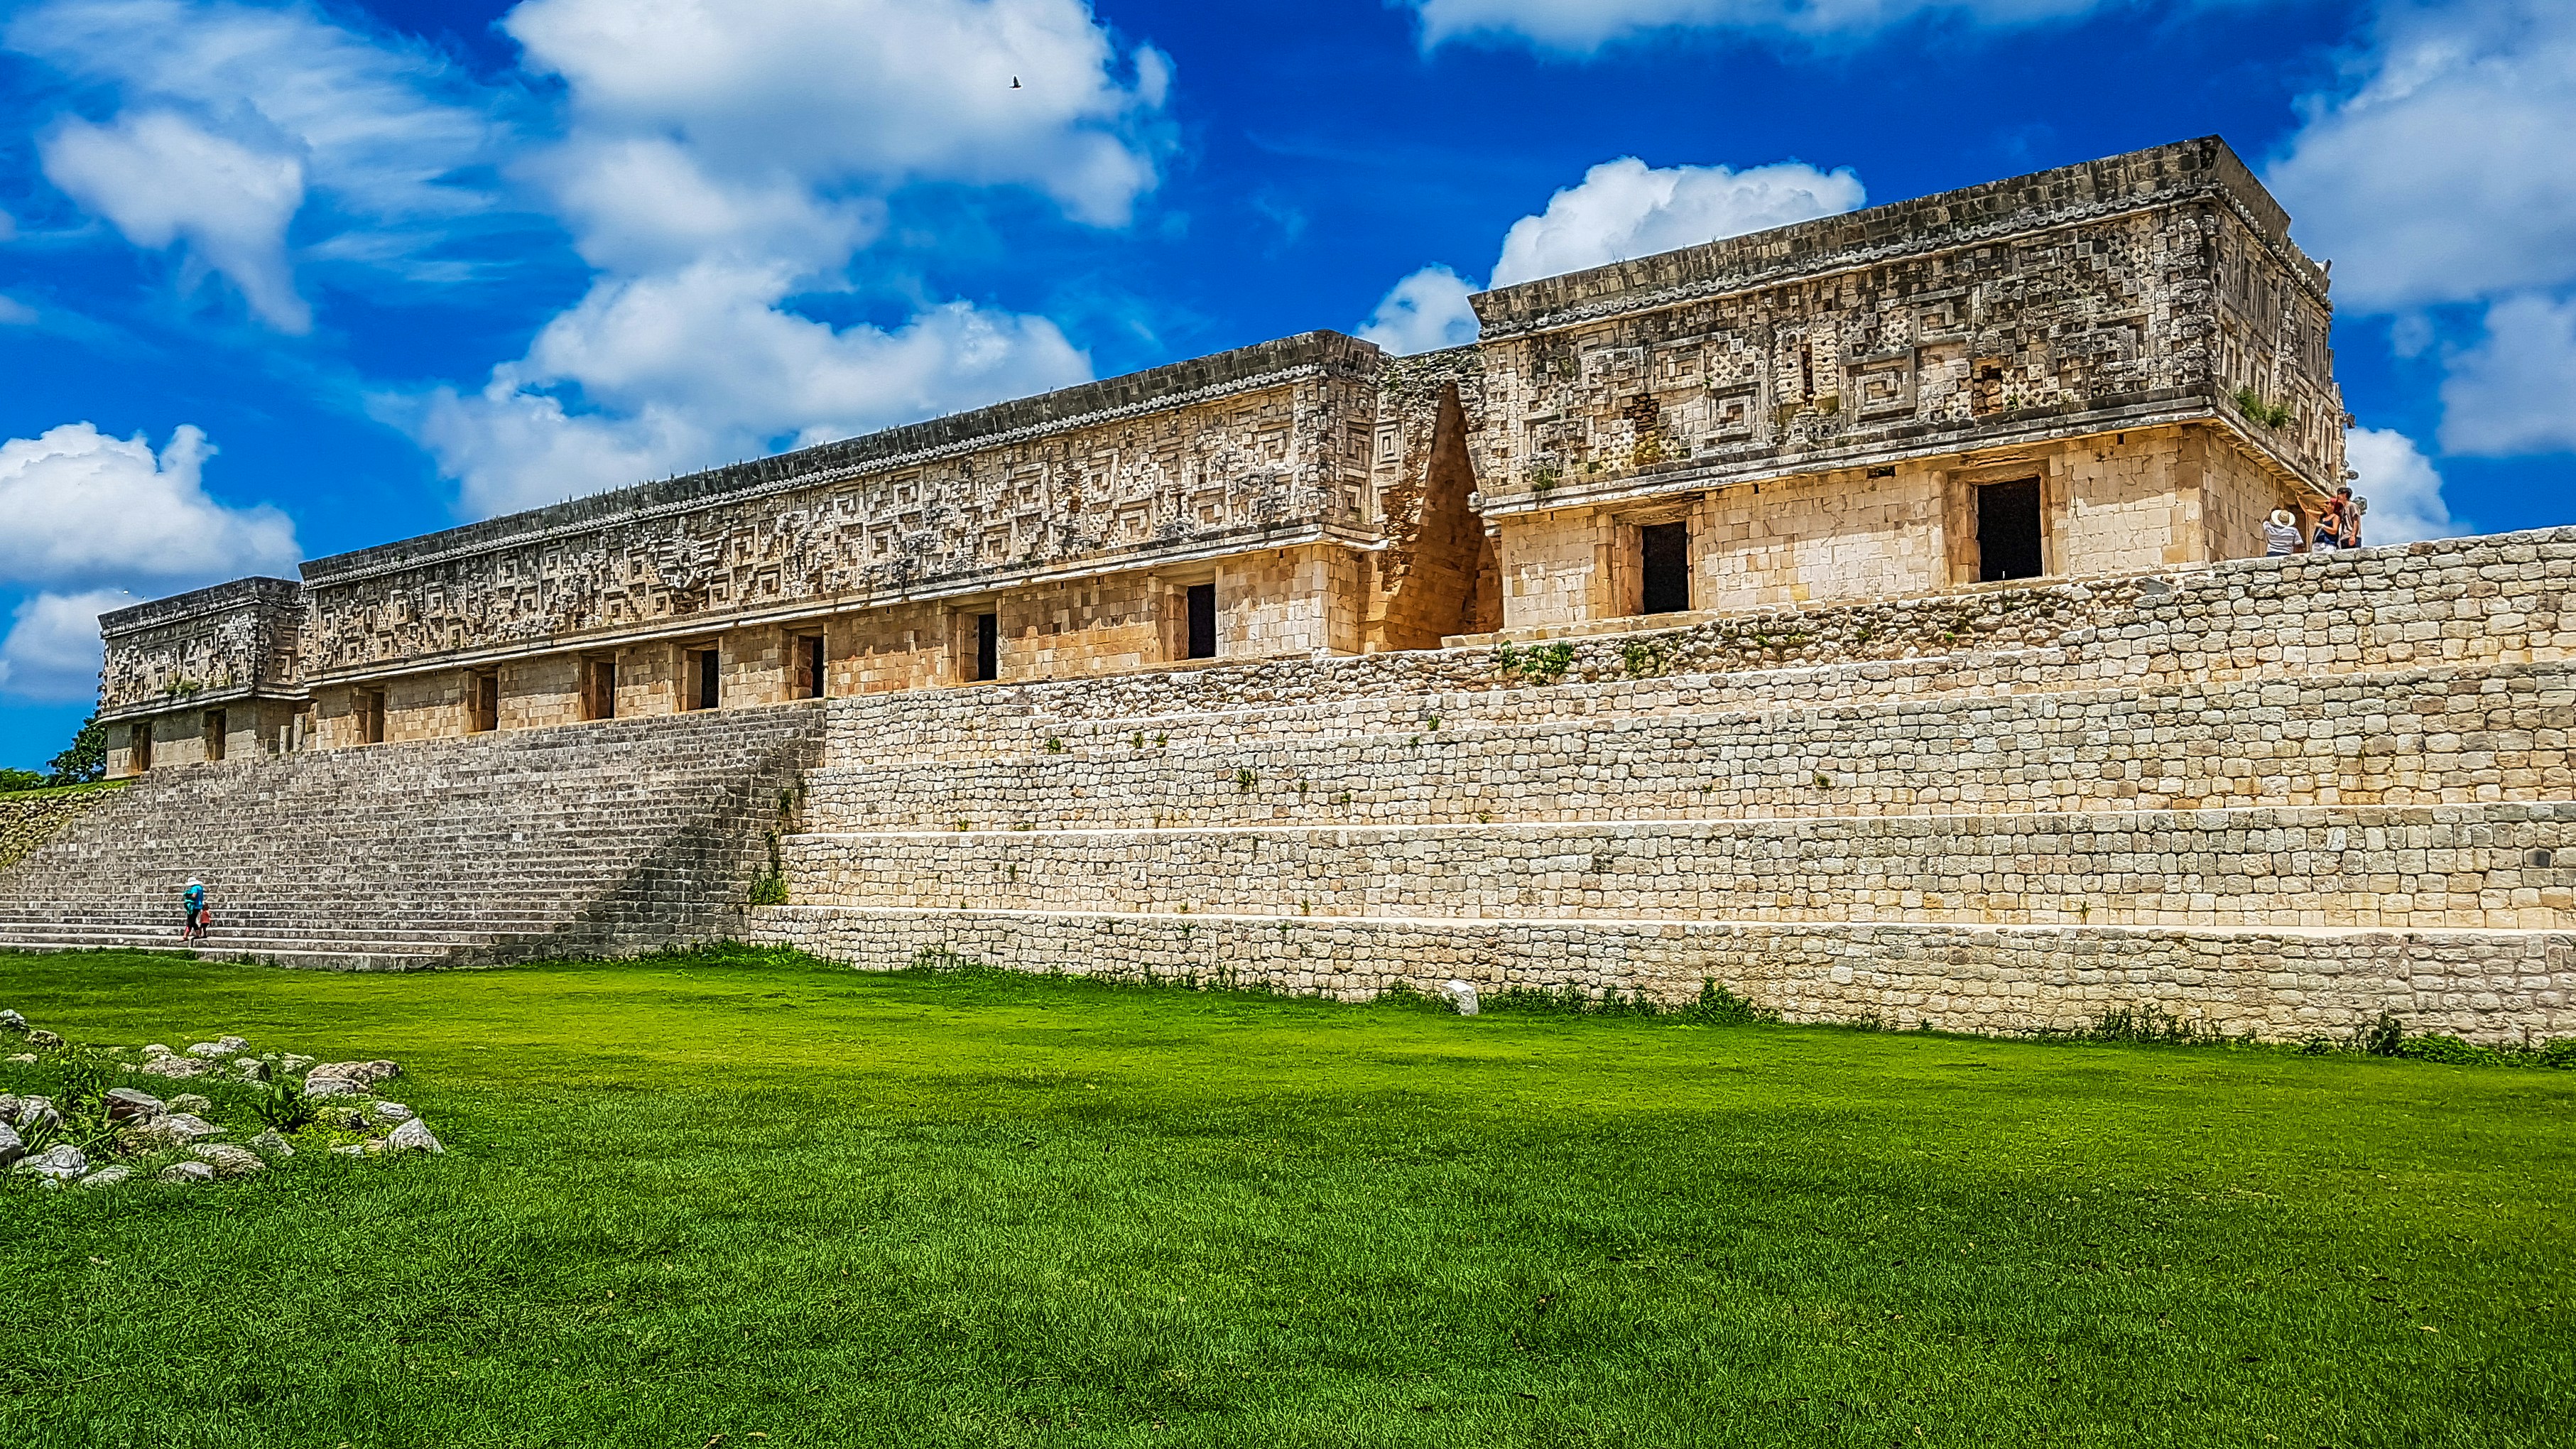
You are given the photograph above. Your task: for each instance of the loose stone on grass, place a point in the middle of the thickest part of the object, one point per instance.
(188, 1172)
(1460, 995)
(11, 1146)
(228, 1160)
(273, 1143)
(59, 1164)
(191, 1102)
(127, 1104)
(178, 1129)
(412, 1136)
(106, 1176)
(12, 1022)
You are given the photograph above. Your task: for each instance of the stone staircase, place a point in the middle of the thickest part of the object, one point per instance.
(570, 840)
(2278, 796)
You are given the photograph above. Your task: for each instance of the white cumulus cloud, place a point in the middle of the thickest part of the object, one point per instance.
(86, 508)
(720, 159)
(237, 119)
(52, 651)
(2441, 173)
(1625, 208)
(877, 92)
(163, 180)
(2514, 392)
(1622, 208)
(1423, 313)
(2402, 487)
(638, 350)
(1582, 26)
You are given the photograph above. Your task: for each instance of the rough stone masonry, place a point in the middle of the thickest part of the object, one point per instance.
(1857, 614)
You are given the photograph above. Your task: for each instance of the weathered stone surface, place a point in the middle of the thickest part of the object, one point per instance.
(108, 1176)
(178, 1129)
(127, 1104)
(176, 1068)
(12, 1147)
(223, 1047)
(364, 1075)
(389, 1111)
(1460, 995)
(22, 1059)
(273, 1143)
(188, 1172)
(11, 1021)
(191, 1102)
(43, 1040)
(412, 1136)
(228, 1160)
(36, 1114)
(58, 1164)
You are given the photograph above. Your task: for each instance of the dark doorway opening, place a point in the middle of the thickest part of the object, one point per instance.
(215, 732)
(1202, 621)
(138, 739)
(1665, 555)
(599, 689)
(710, 679)
(487, 703)
(809, 667)
(988, 646)
(371, 716)
(2008, 531)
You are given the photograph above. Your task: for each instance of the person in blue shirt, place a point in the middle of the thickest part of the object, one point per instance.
(194, 897)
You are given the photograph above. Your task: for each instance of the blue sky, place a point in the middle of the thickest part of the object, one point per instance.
(282, 280)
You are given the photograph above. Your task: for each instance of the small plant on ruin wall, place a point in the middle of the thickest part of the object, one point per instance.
(1301, 789)
(1161, 740)
(1054, 746)
(1243, 780)
(770, 889)
(2251, 404)
(1639, 658)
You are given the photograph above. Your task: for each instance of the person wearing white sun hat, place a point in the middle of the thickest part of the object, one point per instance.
(2280, 534)
(194, 898)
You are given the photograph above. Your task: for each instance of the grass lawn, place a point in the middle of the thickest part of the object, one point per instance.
(790, 1205)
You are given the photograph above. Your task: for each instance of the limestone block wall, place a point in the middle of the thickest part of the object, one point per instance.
(2426, 866)
(2439, 736)
(2281, 985)
(27, 821)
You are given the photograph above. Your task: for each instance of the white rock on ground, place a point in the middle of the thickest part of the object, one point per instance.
(412, 1136)
(106, 1177)
(363, 1075)
(131, 1104)
(191, 1102)
(11, 1148)
(57, 1164)
(188, 1172)
(179, 1129)
(22, 1059)
(12, 1021)
(176, 1067)
(35, 1114)
(1460, 996)
(321, 1088)
(157, 1049)
(274, 1143)
(43, 1040)
(290, 1062)
(228, 1160)
(391, 1111)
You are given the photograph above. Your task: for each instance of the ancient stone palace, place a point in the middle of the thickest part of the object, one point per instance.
(2093, 370)
(1866, 616)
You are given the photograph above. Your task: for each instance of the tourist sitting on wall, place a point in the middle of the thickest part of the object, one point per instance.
(2280, 534)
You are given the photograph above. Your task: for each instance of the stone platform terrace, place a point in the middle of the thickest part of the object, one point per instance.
(2273, 796)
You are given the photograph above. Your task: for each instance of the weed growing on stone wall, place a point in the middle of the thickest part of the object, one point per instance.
(1546, 664)
(1054, 746)
(2251, 404)
(1244, 780)
(1641, 659)
(1714, 1006)
(770, 889)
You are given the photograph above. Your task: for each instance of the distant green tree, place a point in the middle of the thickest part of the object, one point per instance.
(20, 780)
(86, 760)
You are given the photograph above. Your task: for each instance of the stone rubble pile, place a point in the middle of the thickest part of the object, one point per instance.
(124, 1133)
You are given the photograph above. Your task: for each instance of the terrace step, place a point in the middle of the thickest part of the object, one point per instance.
(2281, 983)
(2418, 736)
(2484, 866)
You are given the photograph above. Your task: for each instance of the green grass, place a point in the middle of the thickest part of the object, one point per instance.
(45, 791)
(758, 1197)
